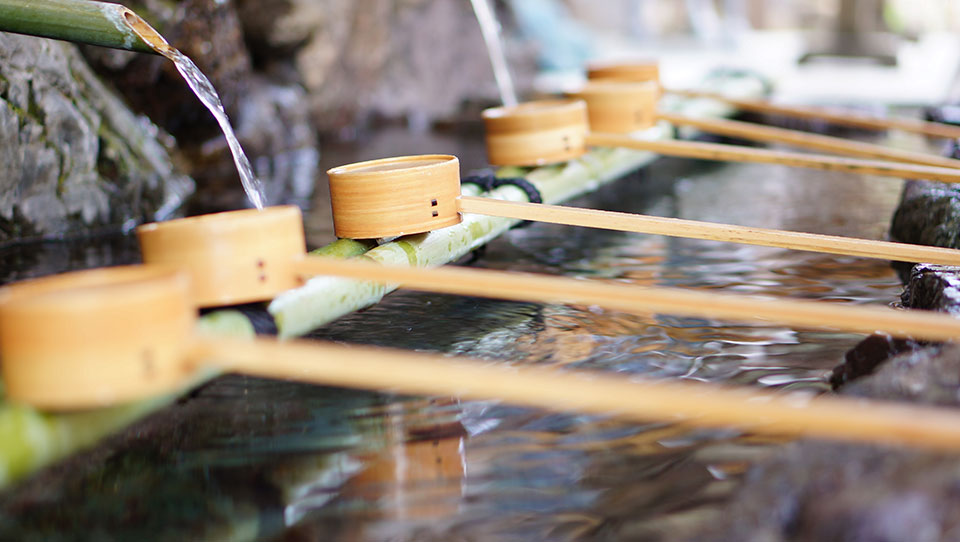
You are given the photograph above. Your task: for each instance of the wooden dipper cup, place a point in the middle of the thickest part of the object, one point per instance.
(245, 256)
(395, 196)
(636, 71)
(233, 257)
(619, 108)
(96, 338)
(536, 133)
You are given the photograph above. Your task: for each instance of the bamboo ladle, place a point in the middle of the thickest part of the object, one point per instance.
(415, 194)
(644, 71)
(622, 107)
(91, 339)
(245, 256)
(551, 131)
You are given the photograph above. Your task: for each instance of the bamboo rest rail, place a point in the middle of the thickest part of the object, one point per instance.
(717, 151)
(846, 118)
(827, 144)
(692, 229)
(923, 325)
(697, 405)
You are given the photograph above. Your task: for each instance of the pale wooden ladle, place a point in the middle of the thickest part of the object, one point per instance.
(550, 131)
(641, 71)
(92, 339)
(621, 107)
(414, 194)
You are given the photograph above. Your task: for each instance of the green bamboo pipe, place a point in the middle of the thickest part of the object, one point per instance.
(81, 21)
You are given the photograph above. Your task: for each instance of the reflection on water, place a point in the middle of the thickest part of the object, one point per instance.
(282, 461)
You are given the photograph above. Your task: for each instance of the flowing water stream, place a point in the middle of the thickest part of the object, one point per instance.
(207, 94)
(490, 28)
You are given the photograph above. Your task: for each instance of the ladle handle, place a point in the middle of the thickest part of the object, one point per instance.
(692, 404)
(717, 151)
(644, 300)
(831, 145)
(845, 118)
(675, 227)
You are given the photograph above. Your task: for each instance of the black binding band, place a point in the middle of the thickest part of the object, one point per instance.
(487, 181)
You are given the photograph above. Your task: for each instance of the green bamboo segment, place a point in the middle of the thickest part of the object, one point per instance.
(80, 21)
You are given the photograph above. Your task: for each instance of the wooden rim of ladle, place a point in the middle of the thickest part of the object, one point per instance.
(639, 71)
(619, 107)
(395, 196)
(232, 257)
(94, 338)
(536, 133)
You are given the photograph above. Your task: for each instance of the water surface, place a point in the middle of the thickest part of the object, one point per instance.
(244, 458)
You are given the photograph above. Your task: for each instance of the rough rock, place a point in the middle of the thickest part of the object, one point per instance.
(929, 287)
(73, 158)
(419, 59)
(821, 491)
(929, 214)
(827, 491)
(866, 356)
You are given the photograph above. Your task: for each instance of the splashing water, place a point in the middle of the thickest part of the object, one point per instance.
(204, 90)
(490, 28)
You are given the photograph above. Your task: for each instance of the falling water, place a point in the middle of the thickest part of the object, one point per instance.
(490, 28)
(204, 90)
(208, 95)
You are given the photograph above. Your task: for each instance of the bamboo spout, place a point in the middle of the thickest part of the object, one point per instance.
(81, 21)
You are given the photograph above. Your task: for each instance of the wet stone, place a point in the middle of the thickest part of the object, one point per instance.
(828, 491)
(824, 491)
(929, 214)
(929, 287)
(933, 287)
(73, 159)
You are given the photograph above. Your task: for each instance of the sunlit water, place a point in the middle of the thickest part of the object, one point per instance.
(245, 458)
(490, 28)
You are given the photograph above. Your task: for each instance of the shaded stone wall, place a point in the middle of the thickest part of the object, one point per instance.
(73, 158)
(417, 58)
